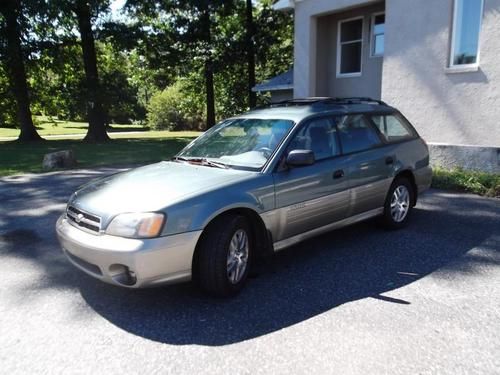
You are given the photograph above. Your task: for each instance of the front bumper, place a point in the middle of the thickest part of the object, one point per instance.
(134, 263)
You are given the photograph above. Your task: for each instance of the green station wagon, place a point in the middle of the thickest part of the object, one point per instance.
(252, 185)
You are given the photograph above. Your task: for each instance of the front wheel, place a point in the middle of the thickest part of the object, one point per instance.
(398, 204)
(224, 256)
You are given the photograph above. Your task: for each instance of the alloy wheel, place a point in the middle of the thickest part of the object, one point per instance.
(400, 203)
(237, 257)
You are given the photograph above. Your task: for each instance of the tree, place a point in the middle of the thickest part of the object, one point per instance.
(217, 49)
(96, 114)
(250, 32)
(11, 10)
(273, 41)
(206, 26)
(190, 24)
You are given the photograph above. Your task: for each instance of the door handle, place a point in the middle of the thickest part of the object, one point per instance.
(338, 174)
(389, 160)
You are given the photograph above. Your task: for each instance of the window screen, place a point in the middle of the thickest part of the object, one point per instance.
(350, 46)
(466, 27)
(378, 34)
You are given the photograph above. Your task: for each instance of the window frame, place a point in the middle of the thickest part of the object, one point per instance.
(339, 49)
(464, 67)
(373, 35)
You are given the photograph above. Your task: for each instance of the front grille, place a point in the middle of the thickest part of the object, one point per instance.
(83, 219)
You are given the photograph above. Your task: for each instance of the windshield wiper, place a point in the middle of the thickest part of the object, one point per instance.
(180, 158)
(216, 164)
(202, 161)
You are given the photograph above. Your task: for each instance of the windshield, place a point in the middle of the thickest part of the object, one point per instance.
(240, 142)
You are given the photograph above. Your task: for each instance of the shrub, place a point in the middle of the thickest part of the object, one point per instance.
(481, 183)
(173, 109)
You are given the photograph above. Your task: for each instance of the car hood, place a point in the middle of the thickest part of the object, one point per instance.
(151, 188)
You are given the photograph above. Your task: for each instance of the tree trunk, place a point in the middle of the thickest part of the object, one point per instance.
(209, 72)
(17, 77)
(250, 32)
(209, 86)
(96, 115)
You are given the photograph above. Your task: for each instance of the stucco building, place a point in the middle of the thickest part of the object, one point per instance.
(438, 61)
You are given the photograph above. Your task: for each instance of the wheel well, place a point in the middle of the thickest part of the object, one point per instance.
(410, 177)
(263, 242)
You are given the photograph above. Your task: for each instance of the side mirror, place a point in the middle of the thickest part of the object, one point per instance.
(299, 158)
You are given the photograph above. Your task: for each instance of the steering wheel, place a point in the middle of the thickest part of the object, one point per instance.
(266, 151)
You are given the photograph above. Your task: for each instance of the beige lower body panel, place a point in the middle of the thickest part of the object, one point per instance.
(280, 245)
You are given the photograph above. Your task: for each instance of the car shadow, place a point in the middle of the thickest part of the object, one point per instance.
(362, 261)
(346, 265)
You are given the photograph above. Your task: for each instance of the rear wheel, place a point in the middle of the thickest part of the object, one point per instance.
(398, 204)
(224, 256)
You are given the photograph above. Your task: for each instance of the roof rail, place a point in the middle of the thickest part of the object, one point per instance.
(301, 101)
(356, 100)
(325, 100)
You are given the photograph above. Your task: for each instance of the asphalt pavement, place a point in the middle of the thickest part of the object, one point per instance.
(359, 300)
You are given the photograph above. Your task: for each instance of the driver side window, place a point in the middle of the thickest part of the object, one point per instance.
(319, 136)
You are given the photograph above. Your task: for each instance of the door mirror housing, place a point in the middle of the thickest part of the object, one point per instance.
(299, 158)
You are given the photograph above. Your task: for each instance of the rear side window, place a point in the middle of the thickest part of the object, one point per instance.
(393, 127)
(356, 134)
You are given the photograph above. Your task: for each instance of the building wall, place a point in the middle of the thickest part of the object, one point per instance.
(457, 113)
(306, 16)
(327, 83)
(445, 107)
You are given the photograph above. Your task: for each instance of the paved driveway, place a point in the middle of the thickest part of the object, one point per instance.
(358, 300)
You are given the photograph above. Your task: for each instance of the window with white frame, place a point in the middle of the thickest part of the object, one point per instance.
(378, 34)
(349, 47)
(467, 16)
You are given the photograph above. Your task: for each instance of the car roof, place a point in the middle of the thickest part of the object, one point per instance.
(299, 109)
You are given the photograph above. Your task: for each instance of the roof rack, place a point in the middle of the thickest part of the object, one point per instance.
(357, 100)
(326, 100)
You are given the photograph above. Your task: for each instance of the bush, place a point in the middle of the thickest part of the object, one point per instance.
(482, 183)
(173, 109)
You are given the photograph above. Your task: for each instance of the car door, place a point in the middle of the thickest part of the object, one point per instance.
(370, 164)
(312, 196)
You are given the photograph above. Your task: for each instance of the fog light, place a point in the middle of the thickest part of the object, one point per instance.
(122, 274)
(131, 276)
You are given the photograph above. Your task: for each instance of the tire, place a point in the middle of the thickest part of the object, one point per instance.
(221, 266)
(398, 204)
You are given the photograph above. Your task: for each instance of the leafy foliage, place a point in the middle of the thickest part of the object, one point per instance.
(481, 183)
(173, 109)
(157, 50)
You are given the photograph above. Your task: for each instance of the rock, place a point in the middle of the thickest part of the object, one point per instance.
(59, 159)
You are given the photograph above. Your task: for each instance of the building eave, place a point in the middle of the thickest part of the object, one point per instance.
(283, 81)
(284, 5)
(272, 88)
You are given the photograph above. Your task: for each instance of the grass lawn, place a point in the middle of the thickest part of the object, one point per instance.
(46, 126)
(144, 148)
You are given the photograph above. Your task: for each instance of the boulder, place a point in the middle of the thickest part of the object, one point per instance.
(59, 159)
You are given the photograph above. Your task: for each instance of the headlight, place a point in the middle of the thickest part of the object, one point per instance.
(136, 225)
